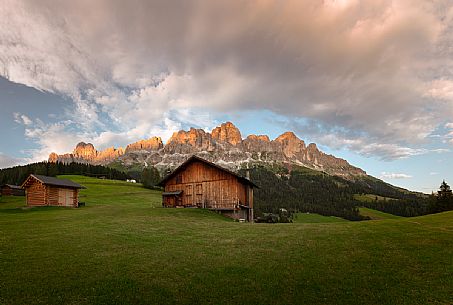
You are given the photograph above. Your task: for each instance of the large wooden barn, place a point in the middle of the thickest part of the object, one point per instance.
(200, 183)
(44, 191)
(12, 190)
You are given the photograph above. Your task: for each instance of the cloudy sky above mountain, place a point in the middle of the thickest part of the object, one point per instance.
(371, 81)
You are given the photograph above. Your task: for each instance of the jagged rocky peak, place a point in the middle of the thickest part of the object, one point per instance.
(253, 137)
(290, 144)
(152, 144)
(53, 157)
(110, 153)
(194, 137)
(227, 133)
(85, 151)
(258, 143)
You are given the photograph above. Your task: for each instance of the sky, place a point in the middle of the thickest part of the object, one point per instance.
(370, 81)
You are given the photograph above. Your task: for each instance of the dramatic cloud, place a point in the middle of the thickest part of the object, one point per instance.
(385, 175)
(376, 73)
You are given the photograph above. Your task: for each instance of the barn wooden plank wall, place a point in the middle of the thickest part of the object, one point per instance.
(36, 194)
(208, 187)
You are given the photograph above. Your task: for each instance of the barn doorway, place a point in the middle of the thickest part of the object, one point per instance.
(65, 197)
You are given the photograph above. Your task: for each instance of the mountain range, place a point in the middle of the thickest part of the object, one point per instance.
(224, 145)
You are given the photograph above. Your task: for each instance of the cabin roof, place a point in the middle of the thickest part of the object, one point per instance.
(17, 187)
(195, 158)
(55, 182)
(175, 193)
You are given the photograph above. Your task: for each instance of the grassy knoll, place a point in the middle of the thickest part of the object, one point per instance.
(315, 218)
(376, 215)
(122, 248)
(370, 197)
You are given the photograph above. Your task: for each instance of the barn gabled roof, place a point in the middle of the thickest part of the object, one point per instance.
(196, 158)
(55, 181)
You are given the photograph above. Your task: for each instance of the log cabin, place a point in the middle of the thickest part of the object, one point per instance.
(202, 184)
(50, 191)
(12, 190)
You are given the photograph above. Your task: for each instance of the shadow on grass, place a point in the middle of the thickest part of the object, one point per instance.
(20, 210)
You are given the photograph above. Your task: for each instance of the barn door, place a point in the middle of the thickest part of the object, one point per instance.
(65, 197)
(189, 194)
(199, 194)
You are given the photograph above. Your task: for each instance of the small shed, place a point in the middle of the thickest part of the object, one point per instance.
(12, 190)
(203, 184)
(50, 191)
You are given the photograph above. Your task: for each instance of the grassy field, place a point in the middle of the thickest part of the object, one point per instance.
(370, 197)
(315, 218)
(123, 248)
(377, 215)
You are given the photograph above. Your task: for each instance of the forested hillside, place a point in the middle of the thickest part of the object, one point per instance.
(306, 190)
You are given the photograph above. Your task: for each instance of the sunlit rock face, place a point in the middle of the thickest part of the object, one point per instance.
(227, 133)
(85, 151)
(224, 145)
(152, 144)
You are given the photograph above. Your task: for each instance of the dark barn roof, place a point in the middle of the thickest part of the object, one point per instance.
(195, 158)
(56, 182)
(17, 187)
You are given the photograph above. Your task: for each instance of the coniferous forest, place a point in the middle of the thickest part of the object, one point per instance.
(304, 190)
(17, 174)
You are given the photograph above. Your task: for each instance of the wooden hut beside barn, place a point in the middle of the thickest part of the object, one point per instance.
(50, 191)
(200, 183)
(12, 190)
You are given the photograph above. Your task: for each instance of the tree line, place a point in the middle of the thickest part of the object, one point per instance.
(17, 174)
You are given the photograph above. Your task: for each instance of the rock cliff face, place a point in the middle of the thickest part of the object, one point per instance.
(224, 145)
(227, 133)
(152, 144)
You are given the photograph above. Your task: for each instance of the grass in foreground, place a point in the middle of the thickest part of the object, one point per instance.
(122, 248)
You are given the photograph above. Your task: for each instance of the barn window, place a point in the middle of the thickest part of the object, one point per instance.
(179, 179)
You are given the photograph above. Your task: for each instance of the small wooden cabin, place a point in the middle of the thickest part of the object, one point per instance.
(50, 191)
(200, 183)
(12, 190)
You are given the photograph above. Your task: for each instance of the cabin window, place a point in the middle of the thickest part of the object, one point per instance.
(179, 179)
(189, 190)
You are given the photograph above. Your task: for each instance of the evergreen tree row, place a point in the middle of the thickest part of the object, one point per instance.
(17, 174)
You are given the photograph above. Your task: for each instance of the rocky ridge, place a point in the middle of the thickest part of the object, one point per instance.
(224, 145)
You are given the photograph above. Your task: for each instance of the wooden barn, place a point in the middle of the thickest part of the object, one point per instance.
(200, 183)
(12, 190)
(51, 191)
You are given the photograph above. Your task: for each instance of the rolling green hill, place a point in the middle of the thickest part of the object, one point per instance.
(376, 215)
(123, 248)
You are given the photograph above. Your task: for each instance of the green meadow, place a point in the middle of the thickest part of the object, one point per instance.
(124, 248)
(376, 215)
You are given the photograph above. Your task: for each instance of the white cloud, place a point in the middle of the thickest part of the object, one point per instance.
(7, 161)
(363, 66)
(22, 119)
(385, 175)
